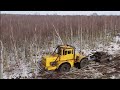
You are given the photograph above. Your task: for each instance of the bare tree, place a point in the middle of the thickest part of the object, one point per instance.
(57, 34)
(1, 61)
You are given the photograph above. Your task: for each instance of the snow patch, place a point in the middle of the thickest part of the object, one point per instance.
(112, 77)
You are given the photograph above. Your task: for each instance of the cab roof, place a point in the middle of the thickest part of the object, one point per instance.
(66, 46)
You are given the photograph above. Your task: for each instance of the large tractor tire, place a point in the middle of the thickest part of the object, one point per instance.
(84, 62)
(65, 67)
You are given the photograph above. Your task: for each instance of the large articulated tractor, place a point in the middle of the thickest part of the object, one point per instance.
(63, 58)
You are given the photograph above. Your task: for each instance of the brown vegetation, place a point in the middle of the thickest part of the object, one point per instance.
(18, 28)
(25, 36)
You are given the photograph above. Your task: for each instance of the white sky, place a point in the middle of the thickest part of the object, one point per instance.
(63, 12)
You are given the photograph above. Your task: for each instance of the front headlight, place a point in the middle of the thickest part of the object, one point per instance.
(53, 63)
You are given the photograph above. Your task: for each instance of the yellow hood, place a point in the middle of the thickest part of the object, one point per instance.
(50, 56)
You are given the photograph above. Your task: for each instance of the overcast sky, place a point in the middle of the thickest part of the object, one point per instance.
(63, 12)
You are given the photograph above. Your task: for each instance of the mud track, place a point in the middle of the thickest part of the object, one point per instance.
(95, 70)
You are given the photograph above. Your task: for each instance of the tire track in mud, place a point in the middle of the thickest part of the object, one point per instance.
(93, 71)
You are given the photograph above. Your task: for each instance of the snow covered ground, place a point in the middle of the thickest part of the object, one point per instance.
(94, 70)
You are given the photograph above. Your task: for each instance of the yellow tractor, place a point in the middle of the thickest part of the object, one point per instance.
(63, 58)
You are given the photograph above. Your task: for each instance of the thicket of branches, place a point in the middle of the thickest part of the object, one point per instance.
(70, 28)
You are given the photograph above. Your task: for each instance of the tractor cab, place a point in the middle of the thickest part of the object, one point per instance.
(65, 51)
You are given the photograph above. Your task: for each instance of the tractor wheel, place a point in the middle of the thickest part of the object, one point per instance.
(64, 67)
(84, 62)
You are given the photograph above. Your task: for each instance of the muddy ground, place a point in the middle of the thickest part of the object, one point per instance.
(95, 70)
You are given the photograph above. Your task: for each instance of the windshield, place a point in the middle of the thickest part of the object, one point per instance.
(57, 51)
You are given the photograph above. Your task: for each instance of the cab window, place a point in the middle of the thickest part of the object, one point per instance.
(59, 51)
(72, 51)
(69, 52)
(64, 52)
